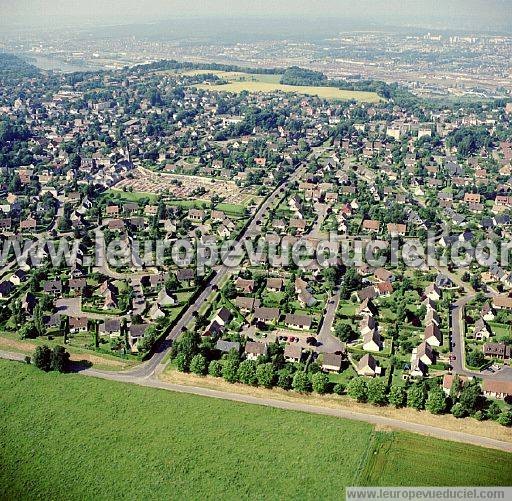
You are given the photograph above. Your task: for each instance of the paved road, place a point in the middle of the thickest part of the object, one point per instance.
(10, 355)
(154, 365)
(458, 345)
(327, 342)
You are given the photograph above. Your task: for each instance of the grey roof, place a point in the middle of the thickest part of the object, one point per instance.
(227, 346)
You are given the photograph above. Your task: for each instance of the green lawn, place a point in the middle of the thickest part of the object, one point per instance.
(239, 81)
(69, 436)
(403, 458)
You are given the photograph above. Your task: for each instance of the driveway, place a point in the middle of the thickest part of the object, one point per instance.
(327, 342)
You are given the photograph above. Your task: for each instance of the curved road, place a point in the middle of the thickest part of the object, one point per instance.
(373, 419)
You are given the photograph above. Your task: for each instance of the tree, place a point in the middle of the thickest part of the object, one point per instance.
(505, 419)
(475, 358)
(493, 411)
(198, 365)
(230, 370)
(397, 396)
(456, 388)
(436, 401)
(284, 379)
(182, 362)
(458, 411)
(358, 389)
(265, 375)
(59, 359)
(28, 331)
(215, 368)
(339, 389)
(377, 391)
(247, 372)
(470, 397)
(39, 325)
(188, 345)
(416, 397)
(344, 332)
(43, 358)
(301, 382)
(320, 382)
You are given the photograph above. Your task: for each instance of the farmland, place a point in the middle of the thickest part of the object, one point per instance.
(238, 82)
(71, 436)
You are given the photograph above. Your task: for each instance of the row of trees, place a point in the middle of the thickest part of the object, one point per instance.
(463, 400)
(196, 355)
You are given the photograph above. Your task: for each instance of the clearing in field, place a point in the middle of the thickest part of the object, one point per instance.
(238, 82)
(69, 436)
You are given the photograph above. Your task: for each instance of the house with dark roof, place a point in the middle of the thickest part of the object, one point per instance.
(332, 362)
(368, 366)
(294, 321)
(53, 287)
(497, 350)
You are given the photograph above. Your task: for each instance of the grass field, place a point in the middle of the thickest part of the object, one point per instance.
(238, 82)
(68, 436)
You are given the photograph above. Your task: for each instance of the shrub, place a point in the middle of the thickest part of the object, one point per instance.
(339, 389)
(358, 389)
(198, 365)
(320, 382)
(215, 368)
(458, 411)
(301, 382)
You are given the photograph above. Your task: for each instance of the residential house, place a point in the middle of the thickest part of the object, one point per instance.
(254, 349)
(244, 285)
(274, 284)
(77, 324)
(425, 353)
(501, 390)
(367, 308)
(432, 335)
(481, 330)
(372, 341)
(135, 333)
(264, 315)
(227, 346)
(448, 380)
(111, 327)
(433, 292)
(223, 316)
(368, 366)
(332, 362)
(18, 277)
(294, 321)
(371, 225)
(292, 353)
(53, 287)
(497, 350)
(247, 304)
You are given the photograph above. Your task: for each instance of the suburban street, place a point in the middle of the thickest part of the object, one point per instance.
(457, 345)
(154, 365)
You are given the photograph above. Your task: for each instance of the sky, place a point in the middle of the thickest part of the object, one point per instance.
(452, 14)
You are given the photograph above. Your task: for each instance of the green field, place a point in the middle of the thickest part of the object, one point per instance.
(238, 82)
(69, 436)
